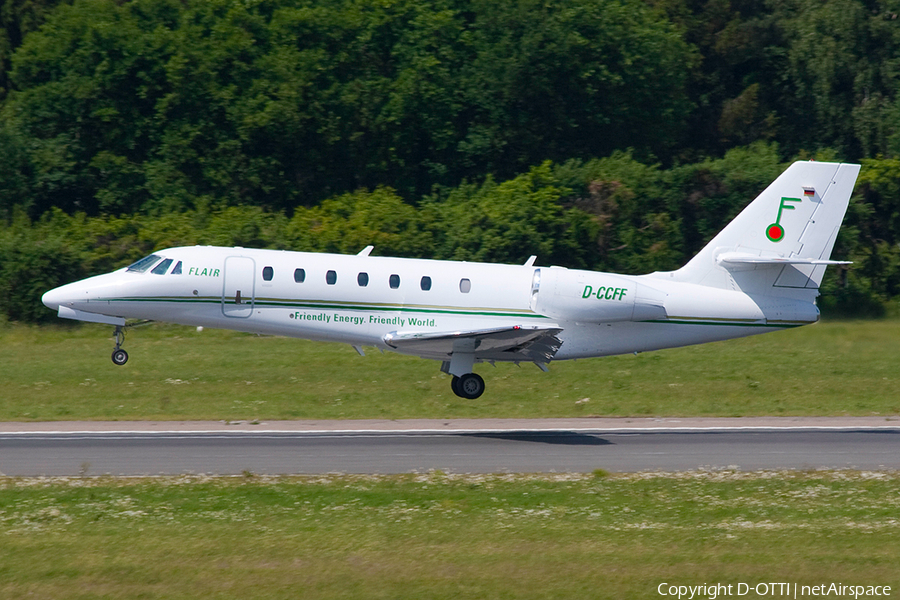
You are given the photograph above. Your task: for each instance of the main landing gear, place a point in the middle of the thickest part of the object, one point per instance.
(469, 386)
(119, 356)
(465, 383)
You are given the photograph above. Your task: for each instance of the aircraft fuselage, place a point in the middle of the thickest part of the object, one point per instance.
(760, 273)
(320, 297)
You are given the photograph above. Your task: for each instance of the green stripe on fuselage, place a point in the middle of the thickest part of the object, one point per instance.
(436, 309)
(329, 305)
(729, 323)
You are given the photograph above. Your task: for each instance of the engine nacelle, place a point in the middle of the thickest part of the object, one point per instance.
(591, 297)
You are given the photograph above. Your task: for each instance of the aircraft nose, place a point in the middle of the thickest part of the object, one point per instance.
(63, 295)
(54, 298)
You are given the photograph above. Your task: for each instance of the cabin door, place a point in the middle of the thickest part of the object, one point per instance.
(238, 293)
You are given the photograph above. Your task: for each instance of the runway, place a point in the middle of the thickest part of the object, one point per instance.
(532, 446)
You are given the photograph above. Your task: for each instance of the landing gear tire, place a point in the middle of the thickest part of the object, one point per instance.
(119, 357)
(468, 386)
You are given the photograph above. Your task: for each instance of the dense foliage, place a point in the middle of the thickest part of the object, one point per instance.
(608, 134)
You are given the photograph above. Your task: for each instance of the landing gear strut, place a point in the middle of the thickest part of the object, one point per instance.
(119, 356)
(469, 386)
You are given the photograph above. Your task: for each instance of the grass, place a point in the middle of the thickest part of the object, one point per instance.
(444, 536)
(63, 373)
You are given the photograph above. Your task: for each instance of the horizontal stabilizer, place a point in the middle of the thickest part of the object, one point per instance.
(516, 343)
(737, 258)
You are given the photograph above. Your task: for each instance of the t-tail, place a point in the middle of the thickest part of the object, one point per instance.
(781, 243)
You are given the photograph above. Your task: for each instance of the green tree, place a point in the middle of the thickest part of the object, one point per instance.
(350, 222)
(34, 259)
(509, 221)
(576, 80)
(17, 18)
(85, 85)
(870, 238)
(159, 105)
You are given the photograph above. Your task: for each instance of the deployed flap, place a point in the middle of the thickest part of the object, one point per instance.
(517, 343)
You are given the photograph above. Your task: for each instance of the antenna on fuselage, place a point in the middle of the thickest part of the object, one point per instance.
(366, 251)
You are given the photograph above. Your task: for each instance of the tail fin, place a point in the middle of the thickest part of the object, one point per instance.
(781, 242)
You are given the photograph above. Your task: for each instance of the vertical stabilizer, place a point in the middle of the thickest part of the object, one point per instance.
(781, 242)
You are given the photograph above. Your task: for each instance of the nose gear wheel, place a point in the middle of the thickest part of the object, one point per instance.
(119, 356)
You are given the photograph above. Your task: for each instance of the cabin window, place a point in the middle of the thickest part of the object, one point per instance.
(177, 269)
(362, 279)
(331, 277)
(143, 264)
(299, 275)
(268, 273)
(394, 281)
(425, 283)
(162, 267)
(465, 286)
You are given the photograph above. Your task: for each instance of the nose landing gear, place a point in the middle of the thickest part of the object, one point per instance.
(119, 356)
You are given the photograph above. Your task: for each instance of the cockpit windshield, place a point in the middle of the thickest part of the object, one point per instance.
(162, 267)
(145, 263)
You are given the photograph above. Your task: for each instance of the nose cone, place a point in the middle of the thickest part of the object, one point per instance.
(54, 298)
(67, 295)
(89, 294)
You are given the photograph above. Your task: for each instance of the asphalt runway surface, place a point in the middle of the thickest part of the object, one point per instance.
(471, 447)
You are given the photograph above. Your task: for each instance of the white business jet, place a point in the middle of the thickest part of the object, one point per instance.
(761, 273)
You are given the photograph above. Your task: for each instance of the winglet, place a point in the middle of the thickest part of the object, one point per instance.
(366, 251)
(530, 261)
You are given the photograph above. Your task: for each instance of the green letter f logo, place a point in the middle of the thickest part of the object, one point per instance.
(775, 232)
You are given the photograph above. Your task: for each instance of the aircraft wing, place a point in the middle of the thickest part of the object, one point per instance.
(515, 343)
